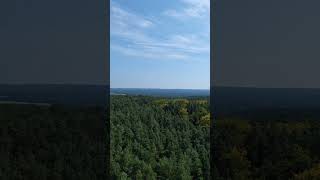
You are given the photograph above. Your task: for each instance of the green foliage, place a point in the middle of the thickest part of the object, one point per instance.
(309, 174)
(266, 149)
(205, 120)
(51, 142)
(153, 138)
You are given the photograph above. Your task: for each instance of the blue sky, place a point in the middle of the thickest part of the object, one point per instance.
(160, 44)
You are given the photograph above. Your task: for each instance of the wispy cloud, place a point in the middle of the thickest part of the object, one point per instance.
(191, 8)
(181, 43)
(124, 18)
(131, 35)
(149, 52)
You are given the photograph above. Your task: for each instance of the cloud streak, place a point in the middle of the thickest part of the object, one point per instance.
(192, 8)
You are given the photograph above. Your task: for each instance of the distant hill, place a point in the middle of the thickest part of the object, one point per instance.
(67, 94)
(160, 92)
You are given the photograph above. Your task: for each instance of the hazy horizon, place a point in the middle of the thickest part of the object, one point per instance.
(92, 84)
(159, 88)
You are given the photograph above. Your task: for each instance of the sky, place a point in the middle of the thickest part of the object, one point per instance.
(52, 42)
(269, 43)
(160, 44)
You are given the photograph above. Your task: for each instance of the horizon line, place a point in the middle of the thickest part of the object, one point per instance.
(106, 84)
(160, 88)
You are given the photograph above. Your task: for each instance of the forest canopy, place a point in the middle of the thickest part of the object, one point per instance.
(52, 142)
(159, 138)
(266, 147)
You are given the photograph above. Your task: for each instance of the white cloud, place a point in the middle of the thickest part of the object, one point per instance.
(191, 8)
(131, 35)
(128, 25)
(183, 43)
(122, 17)
(150, 53)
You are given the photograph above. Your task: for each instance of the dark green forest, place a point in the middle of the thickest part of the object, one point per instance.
(159, 138)
(52, 142)
(265, 147)
(156, 138)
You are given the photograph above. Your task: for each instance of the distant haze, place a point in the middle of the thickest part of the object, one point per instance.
(267, 43)
(160, 92)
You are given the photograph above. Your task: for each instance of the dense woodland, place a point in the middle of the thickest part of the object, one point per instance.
(156, 138)
(159, 138)
(52, 142)
(285, 146)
